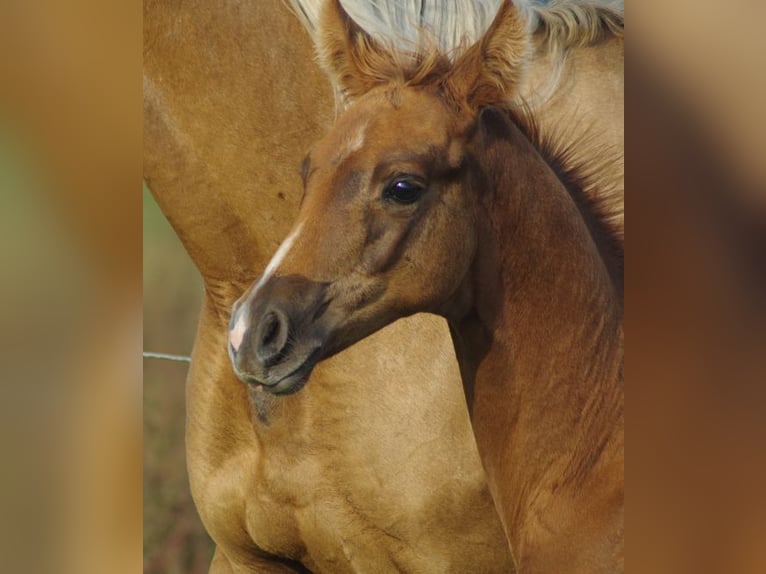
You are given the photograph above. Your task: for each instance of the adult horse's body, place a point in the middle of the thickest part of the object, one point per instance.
(427, 196)
(372, 467)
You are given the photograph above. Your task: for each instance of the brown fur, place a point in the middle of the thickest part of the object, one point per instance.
(547, 391)
(588, 180)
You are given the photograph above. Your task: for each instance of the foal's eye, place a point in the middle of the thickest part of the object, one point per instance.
(403, 190)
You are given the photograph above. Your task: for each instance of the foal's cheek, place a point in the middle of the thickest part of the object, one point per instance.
(380, 256)
(384, 246)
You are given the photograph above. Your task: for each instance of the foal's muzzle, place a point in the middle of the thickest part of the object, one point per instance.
(275, 333)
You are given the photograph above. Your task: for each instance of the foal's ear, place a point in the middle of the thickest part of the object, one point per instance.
(347, 53)
(490, 71)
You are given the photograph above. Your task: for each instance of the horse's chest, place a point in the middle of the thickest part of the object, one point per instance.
(300, 508)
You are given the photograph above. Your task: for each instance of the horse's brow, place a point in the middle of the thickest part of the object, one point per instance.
(423, 159)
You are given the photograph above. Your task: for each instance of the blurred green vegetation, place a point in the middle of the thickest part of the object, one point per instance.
(155, 224)
(174, 539)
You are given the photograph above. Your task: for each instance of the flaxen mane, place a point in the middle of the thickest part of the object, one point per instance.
(407, 26)
(560, 25)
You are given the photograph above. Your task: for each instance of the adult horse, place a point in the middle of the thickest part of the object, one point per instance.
(373, 466)
(431, 194)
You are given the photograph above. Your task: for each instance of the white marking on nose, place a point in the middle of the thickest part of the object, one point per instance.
(276, 261)
(238, 332)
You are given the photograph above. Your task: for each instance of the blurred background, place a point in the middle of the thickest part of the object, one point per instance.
(174, 540)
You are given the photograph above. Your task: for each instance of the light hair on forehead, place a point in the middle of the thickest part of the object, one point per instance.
(353, 141)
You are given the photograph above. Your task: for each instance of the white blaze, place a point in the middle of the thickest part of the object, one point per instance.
(279, 256)
(237, 333)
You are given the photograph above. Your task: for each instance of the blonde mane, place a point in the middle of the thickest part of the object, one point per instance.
(404, 25)
(561, 25)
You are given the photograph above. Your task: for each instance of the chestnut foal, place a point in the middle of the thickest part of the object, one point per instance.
(430, 195)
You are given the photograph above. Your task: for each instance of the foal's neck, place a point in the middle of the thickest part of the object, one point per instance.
(541, 357)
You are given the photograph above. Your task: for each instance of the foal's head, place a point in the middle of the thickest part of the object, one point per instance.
(387, 223)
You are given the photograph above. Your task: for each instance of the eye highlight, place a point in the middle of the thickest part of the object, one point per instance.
(404, 190)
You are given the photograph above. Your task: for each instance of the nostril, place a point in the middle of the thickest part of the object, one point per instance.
(272, 337)
(271, 329)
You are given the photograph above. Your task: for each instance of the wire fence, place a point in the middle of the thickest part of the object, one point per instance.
(167, 357)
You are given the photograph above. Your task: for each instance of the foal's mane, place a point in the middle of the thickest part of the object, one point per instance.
(587, 182)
